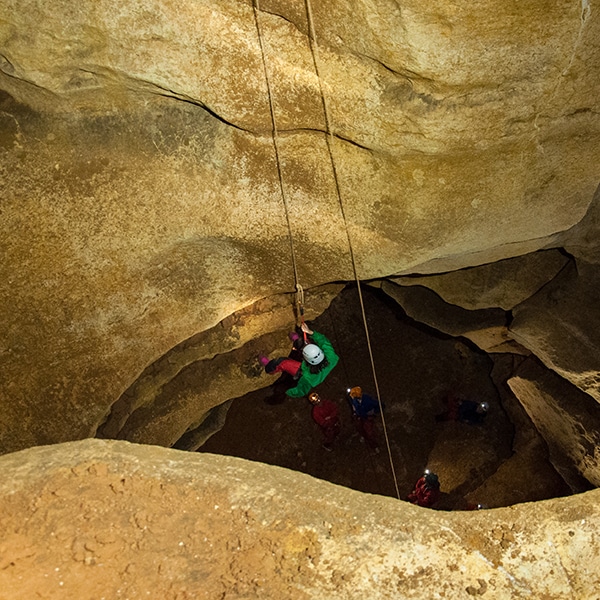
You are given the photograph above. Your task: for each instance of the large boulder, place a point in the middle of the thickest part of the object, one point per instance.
(95, 519)
(567, 418)
(502, 284)
(487, 328)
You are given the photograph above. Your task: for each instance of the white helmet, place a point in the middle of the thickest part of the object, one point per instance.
(312, 354)
(483, 407)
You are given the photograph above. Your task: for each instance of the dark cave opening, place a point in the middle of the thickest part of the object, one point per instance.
(416, 367)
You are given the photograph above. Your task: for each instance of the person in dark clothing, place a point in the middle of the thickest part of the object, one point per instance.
(426, 491)
(472, 412)
(471, 506)
(325, 414)
(465, 411)
(364, 410)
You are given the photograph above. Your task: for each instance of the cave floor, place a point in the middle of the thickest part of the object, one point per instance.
(415, 368)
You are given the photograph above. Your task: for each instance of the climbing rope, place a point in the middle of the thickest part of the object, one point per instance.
(299, 290)
(300, 309)
(329, 137)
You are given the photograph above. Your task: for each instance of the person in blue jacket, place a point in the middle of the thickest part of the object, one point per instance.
(364, 410)
(460, 409)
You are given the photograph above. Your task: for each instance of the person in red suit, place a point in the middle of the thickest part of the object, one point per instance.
(427, 490)
(290, 365)
(325, 414)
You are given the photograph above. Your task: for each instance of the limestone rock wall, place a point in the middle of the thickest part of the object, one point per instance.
(568, 419)
(502, 284)
(560, 325)
(141, 202)
(86, 519)
(144, 235)
(487, 328)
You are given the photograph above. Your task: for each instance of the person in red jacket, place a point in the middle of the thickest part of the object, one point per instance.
(281, 365)
(290, 364)
(427, 490)
(325, 414)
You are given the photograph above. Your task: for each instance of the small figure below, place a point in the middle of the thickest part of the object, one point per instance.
(427, 490)
(471, 506)
(325, 414)
(319, 358)
(465, 411)
(364, 410)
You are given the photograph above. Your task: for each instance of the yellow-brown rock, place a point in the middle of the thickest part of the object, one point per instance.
(98, 519)
(566, 417)
(141, 203)
(559, 325)
(502, 284)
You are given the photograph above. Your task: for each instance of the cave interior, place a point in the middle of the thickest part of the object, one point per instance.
(416, 366)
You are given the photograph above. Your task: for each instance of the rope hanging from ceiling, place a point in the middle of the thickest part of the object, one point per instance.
(329, 136)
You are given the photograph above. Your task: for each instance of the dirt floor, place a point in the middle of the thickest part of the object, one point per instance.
(415, 368)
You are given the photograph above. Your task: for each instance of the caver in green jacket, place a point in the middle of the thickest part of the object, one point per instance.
(308, 380)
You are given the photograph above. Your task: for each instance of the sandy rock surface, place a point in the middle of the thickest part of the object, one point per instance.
(97, 519)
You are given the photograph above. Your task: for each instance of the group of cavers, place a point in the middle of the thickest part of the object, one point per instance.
(311, 360)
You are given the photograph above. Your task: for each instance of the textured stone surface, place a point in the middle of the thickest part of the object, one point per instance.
(502, 284)
(560, 326)
(568, 419)
(582, 239)
(140, 197)
(92, 518)
(141, 209)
